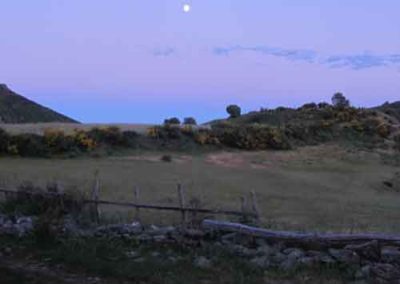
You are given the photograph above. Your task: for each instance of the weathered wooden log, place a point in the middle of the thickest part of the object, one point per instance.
(323, 239)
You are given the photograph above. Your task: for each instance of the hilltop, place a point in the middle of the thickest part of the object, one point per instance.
(15, 108)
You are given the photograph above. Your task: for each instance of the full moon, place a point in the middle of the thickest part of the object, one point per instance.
(186, 8)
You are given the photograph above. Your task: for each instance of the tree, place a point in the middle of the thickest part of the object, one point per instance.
(189, 121)
(234, 111)
(340, 101)
(173, 120)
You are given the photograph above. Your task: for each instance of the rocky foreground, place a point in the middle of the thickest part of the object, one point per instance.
(368, 262)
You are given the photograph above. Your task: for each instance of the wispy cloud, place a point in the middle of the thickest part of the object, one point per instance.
(164, 52)
(362, 61)
(290, 54)
(354, 61)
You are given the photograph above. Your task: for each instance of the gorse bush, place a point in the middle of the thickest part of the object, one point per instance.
(251, 137)
(56, 142)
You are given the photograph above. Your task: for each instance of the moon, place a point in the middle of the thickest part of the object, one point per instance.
(186, 8)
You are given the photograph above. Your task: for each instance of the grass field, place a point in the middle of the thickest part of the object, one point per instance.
(324, 188)
(68, 128)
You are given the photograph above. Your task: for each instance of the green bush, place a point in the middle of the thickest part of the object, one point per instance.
(30, 145)
(189, 121)
(173, 121)
(4, 141)
(251, 137)
(233, 111)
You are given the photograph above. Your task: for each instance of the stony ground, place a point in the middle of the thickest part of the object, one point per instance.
(199, 249)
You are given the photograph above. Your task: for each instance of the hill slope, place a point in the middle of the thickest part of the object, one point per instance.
(15, 108)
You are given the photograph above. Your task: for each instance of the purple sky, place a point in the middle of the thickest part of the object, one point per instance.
(145, 60)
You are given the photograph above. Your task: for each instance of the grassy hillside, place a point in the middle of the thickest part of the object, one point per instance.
(18, 109)
(392, 109)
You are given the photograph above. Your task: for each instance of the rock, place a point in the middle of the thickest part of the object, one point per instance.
(265, 250)
(229, 237)
(370, 250)
(260, 262)
(390, 255)
(155, 254)
(308, 261)
(294, 253)
(240, 250)
(194, 234)
(278, 257)
(160, 238)
(385, 273)
(132, 254)
(172, 259)
(202, 262)
(144, 238)
(289, 264)
(260, 242)
(345, 256)
(154, 230)
(140, 260)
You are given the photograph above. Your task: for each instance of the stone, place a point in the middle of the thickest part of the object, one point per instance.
(144, 238)
(265, 250)
(294, 253)
(345, 256)
(385, 272)
(390, 255)
(289, 264)
(240, 250)
(160, 238)
(140, 260)
(278, 257)
(132, 254)
(202, 262)
(260, 262)
(370, 250)
(308, 261)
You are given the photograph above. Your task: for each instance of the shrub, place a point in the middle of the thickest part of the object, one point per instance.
(130, 138)
(323, 105)
(309, 106)
(83, 141)
(29, 145)
(233, 111)
(251, 137)
(58, 142)
(340, 101)
(189, 121)
(173, 120)
(4, 141)
(110, 136)
(396, 140)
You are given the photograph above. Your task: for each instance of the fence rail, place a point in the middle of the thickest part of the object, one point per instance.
(96, 201)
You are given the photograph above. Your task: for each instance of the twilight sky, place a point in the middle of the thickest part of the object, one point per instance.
(145, 60)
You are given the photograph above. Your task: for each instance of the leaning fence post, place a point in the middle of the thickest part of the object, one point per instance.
(95, 197)
(181, 198)
(254, 205)
(243, 208)
(137, 213)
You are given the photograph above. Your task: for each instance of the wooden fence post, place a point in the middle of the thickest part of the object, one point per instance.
(181, 198)
(243, 208)
(95, 197)
(254, 205)
(137, 213)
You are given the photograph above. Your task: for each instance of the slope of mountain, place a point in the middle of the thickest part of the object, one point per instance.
(15, 108)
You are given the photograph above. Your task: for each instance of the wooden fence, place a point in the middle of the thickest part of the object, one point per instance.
(245, 211)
